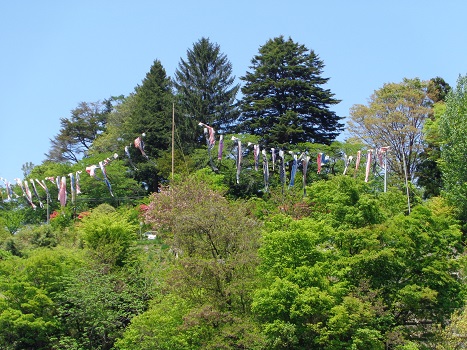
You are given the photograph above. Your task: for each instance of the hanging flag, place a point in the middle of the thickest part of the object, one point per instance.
(305, 159)
(318, 162)
(57, 182)
(106, 180)
(282, 169)
(265, 170)
(20, 184)
(35, 193)
(382, 151)
(62, 192)
(368, 164)
(347, 161)
(91, 170)
(28, 194)
(221, 147)
(357, 162)
(127, 152)
(293, 170)
(209, 134)
(139, 144)
(238, 161)
(9, 191)
(78, 187)
(256, 153)
(72, 188)
(52, 180)
(44, 186)
(273, 157)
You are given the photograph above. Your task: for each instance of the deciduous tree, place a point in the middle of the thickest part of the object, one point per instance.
(453, 124)
(78, 132)
(394, 117)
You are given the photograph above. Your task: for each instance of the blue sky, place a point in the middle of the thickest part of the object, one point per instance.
(56, 54)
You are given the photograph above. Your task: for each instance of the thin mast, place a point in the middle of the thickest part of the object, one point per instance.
(173, 133)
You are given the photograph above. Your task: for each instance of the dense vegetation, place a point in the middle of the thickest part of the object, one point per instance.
(284, 254)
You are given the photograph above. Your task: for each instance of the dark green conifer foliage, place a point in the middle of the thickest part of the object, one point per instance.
(153, 110)
(206, 88)
(152, 115)
(284, 100)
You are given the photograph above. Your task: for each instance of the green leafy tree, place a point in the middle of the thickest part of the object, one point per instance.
(394, 117)
(95, 307)
(214, 271)
(206, 89)
(345, 279)
(78, 132)
(108, 234)
(117, 133)
(284, 101)
(28, 288)
(452, 126)
(428, 173)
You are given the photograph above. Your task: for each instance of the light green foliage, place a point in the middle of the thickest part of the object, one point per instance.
(453, 336)
(11, 217)
(28, 287)
(95, 306)
(159, 328)
(108, 235)
(215, 243)
(394, 117)
(357, 270)
(26, 316)
(346, 202)
(452, 125)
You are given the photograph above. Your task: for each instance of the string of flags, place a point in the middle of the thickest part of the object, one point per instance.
(297, 159)
(61, 181)
(277, 157)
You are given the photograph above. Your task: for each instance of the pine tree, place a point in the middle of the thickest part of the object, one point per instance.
(206, 89)
(152, 113)
(284, 101)
(151, 116)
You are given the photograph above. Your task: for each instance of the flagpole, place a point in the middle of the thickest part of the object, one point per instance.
(173, 133)
(385, 170)
(406, 181)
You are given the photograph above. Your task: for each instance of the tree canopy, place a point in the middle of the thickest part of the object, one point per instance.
(394, 117)
(284, 99)
(452, 127)
(206, 88)
(77, 133)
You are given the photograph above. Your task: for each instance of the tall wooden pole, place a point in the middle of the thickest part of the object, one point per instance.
(173, 134)
(406, 181)
(385, 170)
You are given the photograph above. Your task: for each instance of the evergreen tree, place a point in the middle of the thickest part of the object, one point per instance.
(284, 100)
(151, 119)
(206, 88)
(152, 112)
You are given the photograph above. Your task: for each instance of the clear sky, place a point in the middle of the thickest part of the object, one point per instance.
(56, 54)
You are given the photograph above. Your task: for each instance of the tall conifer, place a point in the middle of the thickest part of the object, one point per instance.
(284, 100)
(206, 89)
